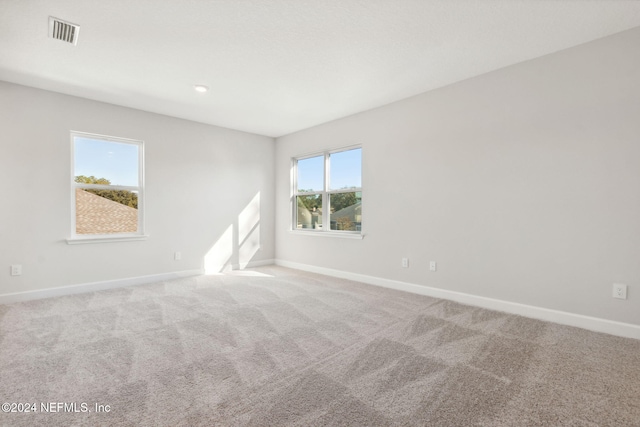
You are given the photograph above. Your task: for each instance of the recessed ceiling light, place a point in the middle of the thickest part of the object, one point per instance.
(201, 88)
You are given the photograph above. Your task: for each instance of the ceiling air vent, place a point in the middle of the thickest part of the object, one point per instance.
(65, 31)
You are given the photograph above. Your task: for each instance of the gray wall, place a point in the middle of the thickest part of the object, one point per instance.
(200, 181)
(523, 184)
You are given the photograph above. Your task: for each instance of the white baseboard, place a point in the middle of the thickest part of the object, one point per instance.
(626, 330)
(118, 283)
(95, 286)
(252, 264)
(229, 267)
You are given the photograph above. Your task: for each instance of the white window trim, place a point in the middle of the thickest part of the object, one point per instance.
(326, 215)
(109, 239)
(340, 234)
(116, 237)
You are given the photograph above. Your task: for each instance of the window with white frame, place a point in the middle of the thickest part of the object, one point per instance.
(107, 188)
(327, 191)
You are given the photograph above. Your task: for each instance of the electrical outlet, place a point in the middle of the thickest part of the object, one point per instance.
(16, 270)
(433, 266)
(619, 291)
(405, 262)
(177, 256)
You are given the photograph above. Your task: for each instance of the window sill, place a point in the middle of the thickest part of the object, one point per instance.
(105, 239)
(336, 234)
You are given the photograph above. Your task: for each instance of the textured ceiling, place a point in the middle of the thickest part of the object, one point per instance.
(278, 66)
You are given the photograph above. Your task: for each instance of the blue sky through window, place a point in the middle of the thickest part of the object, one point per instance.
(346, 169)
(115, 161)
(311, 174)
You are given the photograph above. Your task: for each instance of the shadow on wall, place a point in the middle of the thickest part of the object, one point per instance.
(241, 239)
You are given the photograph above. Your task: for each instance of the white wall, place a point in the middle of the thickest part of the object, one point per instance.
(523, 184)
(200, 181)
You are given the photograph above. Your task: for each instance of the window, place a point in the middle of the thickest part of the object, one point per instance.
(327, 191)
(107, 188)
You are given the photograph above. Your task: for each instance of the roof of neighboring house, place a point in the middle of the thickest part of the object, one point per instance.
(97, 215)
(352, 212)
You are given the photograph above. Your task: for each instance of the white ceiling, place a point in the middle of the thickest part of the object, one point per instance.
(278, 66)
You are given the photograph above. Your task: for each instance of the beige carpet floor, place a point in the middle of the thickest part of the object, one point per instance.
(279, 347)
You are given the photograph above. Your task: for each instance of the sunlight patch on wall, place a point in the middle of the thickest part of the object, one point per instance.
(249, 232)
(248, 218)
(239, 243)
(249, 247)
(217, 259)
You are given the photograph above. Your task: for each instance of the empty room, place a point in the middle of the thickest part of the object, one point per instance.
(320, 213)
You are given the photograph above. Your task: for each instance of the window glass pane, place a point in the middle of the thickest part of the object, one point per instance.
(346, 169)
(106, 211)
(112, 163)
(309, 211)
(311, 174)
(346, 211)
(105, 162)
